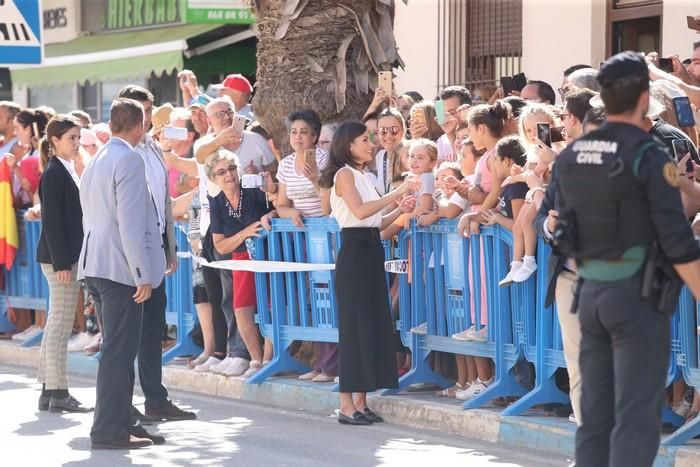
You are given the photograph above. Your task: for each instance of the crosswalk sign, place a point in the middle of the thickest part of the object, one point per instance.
(20, 32)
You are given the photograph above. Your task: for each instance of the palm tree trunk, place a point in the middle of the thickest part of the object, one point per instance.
(320, 54)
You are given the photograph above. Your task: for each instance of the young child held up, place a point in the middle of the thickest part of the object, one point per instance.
(510, 153)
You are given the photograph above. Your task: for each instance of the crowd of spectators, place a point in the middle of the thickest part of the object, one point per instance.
(476, 155)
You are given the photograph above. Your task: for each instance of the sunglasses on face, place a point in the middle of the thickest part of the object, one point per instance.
(394, 130)
(229, 169)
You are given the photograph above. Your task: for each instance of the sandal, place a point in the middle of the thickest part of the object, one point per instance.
(450, 392)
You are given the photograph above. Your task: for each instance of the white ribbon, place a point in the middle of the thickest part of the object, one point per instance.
(397, 266)
(260, 266)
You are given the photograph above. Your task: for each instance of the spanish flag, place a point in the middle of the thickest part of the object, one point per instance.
(9, 237)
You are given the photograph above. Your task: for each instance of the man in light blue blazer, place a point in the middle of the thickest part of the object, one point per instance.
(122, 260)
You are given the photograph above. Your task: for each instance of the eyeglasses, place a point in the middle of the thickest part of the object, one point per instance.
(224, 113)
(394, 130)
(229, 169)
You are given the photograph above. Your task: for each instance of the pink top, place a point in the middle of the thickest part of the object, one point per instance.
(173, 174)
(483, 176)
(29, 167)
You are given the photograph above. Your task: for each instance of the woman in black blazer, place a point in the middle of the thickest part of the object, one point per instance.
(57, 253)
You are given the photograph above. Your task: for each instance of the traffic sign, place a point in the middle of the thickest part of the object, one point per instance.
(20, 32)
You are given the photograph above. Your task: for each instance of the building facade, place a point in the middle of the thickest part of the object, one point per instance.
(94, 47)
(474, 42)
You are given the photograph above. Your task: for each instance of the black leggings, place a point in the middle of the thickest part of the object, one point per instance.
(212, 282)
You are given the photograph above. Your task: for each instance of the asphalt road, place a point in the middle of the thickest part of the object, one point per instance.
(229, 433)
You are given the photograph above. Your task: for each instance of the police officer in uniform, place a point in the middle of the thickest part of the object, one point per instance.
(621, 219)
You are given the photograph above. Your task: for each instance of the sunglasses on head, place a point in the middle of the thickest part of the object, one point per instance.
(394, 130)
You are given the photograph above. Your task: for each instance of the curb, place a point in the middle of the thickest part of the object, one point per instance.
(546, 434)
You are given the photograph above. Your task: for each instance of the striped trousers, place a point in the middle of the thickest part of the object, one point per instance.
(63, 300)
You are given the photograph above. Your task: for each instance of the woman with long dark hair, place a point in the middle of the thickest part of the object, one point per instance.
(58, 252)
(367, 353)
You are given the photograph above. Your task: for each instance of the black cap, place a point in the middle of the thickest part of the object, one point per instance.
(625, 65)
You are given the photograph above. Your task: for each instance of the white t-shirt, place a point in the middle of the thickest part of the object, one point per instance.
(445, 149)
(427, 181)
(457, 200)
(300, 190)
(254, 149)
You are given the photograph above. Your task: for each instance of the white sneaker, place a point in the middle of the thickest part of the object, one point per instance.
(337, 380)
(509, 279)
(525, 271)
(237, 367)
(79, 341)
(27, 333)
(254, 367)
(201, 358)
(474, 390)
(482, 335)
(221, 366)
(421, 329)
(682, 408)
(572, 418)
(464, 335)
(462, 393)
(309, 375)
(207, 366)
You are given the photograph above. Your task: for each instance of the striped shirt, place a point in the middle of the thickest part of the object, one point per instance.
(300, 190)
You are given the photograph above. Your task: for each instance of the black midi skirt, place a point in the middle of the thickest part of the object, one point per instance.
(366, 346)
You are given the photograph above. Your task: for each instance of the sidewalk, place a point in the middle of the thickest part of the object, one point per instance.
(418, 410)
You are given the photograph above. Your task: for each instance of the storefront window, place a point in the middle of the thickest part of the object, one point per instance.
(58, 97)
(88, 100)
(110, 91)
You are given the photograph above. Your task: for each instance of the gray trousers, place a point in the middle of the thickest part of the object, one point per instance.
(63, 300)
(625, 347)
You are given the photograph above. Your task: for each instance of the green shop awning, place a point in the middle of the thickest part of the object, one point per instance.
(103, 57)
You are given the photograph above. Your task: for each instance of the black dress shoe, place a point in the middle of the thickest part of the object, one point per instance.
(356, 419)
(131, 442)
(140, 432)
(169, 412)
(44, 400)
(67, 404)
(143, 419)
(371, 416)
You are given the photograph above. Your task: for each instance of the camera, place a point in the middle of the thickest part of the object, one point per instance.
(251, 181)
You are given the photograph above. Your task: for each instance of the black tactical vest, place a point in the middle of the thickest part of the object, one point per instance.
(600, 193)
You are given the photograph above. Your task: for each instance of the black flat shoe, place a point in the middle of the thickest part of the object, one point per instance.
(67, 404)
(140, 432)
(131, 442)
(169, 412)
(356, 419)
(44, 400)
(371, 416)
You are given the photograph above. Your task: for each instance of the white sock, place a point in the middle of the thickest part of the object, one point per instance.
(529, 260)
(515, 265)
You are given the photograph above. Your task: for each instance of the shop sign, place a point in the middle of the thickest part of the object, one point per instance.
(219, 11)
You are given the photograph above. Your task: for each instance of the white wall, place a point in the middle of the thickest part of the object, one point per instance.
(415, 29)
(676, 38)
(557, 35)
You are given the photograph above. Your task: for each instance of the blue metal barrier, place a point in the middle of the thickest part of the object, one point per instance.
(685, 347)
(180, 310)
(296, 305)
(25, 284)
(26, 288)
(445, 284)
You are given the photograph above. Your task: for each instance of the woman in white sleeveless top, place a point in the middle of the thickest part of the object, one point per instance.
(367, 354)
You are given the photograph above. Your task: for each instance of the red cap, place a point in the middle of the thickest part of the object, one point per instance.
(237, 82)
